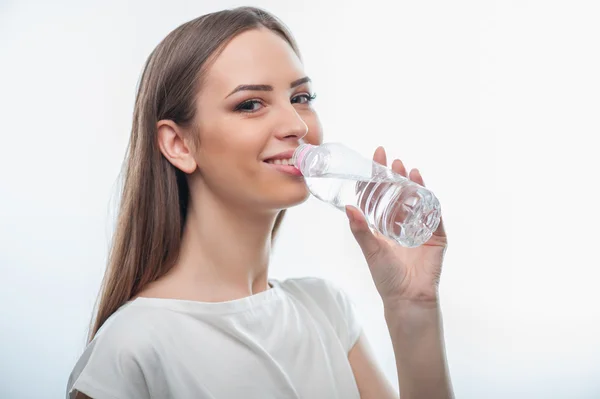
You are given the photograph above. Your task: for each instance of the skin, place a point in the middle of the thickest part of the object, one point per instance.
(234, 194)
(235, 198)
(407, 280)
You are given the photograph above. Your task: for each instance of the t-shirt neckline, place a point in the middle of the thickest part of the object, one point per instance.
(232, 306)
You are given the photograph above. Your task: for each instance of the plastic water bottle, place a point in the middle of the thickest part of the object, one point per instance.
(392, 204)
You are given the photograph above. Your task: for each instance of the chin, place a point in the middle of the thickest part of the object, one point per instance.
(289, 197)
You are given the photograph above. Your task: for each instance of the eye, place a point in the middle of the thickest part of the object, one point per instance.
(249, 106)
(303, 98)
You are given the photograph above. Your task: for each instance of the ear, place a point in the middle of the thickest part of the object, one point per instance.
(174, 146)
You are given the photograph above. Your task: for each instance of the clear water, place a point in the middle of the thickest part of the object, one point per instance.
(399, 209)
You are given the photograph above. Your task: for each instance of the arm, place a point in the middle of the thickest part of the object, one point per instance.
(371, 382)
(407, 280)
(417, 338)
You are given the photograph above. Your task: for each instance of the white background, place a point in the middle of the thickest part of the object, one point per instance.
(497, 103)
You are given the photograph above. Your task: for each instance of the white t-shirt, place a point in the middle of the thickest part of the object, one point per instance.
(290, 341)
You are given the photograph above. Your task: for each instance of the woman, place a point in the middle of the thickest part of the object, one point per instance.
(187, 309)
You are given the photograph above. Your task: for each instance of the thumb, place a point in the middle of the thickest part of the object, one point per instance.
(362, 233)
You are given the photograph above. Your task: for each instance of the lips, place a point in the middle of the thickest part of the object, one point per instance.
(287, 169)
(282, 155)
(283, 162)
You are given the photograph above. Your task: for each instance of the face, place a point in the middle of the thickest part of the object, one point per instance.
(255, 103)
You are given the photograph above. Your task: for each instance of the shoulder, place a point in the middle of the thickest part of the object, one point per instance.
(120, 355)
(322, 290)
(132, 327)
(326, 297)
(308, 284)
(128, 335)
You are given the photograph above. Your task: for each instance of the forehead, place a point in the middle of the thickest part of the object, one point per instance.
(257, 56)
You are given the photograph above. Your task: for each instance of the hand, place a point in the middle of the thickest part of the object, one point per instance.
(400, 274)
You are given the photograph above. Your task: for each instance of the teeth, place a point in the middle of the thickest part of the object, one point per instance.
(280, 161)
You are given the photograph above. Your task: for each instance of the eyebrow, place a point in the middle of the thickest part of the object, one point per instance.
(295, 83)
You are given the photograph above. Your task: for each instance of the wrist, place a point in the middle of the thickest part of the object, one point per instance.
(423, 301)
(412, 313)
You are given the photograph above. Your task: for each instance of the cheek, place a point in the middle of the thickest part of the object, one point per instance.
(227, 158)
(232, 142)
(315, 130)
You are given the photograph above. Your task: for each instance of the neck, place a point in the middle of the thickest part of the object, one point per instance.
(225, 251)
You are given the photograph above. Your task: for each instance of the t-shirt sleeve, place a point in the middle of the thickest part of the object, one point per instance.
(337, 306)
(353, 327)
(111, 367)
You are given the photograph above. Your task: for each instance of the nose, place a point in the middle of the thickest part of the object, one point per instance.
(290, 124)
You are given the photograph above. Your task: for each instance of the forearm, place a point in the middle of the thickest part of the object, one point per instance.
(418, 340)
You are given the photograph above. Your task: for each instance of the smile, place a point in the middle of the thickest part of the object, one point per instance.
(284, 166)
(280, 161)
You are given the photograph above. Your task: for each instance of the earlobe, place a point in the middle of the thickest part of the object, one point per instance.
(172, 144)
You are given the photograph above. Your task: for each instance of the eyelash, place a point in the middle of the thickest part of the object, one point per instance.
(239, 108)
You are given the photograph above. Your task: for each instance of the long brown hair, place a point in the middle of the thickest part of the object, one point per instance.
(154, 196)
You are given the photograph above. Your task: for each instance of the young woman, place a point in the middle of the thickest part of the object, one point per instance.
(187, 309)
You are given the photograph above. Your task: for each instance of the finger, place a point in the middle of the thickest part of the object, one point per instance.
(441, 230)
(398, 167)
(415, 176)
(362, 233)
(380, 156)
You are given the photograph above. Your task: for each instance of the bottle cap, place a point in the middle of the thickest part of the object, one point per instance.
(300, 153)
